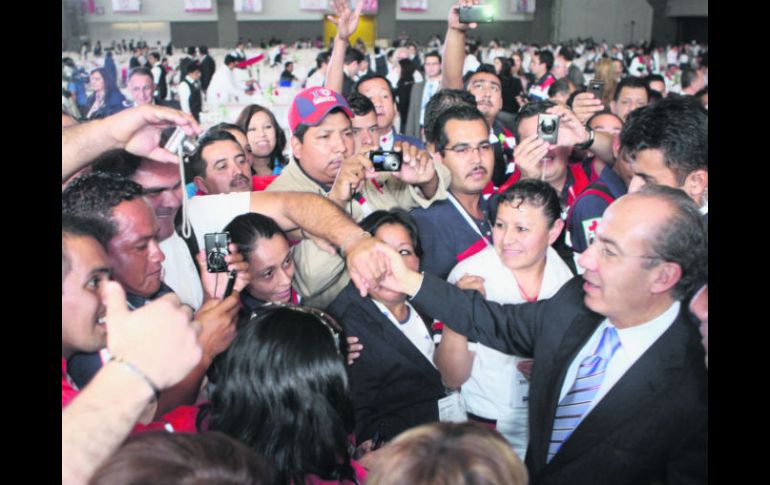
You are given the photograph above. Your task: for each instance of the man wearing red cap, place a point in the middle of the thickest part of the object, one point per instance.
(325, 163)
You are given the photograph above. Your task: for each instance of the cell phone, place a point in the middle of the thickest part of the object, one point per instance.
(596, 87)
(548, 127)
(386, 161)
(477, 13)
(216, 250)
(230, 284)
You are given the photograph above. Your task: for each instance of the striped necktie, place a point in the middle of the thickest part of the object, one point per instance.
(577, 401)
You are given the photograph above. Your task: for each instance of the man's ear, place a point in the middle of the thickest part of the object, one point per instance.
(296, 147)
(200, 184)
(665, 276)
(696, 184)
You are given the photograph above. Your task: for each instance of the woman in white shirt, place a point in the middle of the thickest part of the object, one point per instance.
(521, 266)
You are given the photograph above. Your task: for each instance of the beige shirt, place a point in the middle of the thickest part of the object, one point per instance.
(320, 276)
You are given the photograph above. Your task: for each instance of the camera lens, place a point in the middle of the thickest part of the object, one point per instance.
(217, 260)
(547, 126)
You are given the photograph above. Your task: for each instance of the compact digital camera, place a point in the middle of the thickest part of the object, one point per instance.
(216, 250)
(386, 161)
(177, 138)
(548, 128)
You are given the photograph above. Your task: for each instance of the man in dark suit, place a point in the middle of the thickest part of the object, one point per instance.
(421, 94)
(644, 417)
(208, 66)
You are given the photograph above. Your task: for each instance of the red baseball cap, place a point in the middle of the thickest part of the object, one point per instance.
(311, 106)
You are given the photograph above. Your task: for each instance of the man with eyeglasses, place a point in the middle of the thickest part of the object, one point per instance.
(618, 386)
(458, 227)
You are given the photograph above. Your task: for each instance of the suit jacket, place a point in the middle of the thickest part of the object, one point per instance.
(413, 117)
(651, 427)
(394, 386)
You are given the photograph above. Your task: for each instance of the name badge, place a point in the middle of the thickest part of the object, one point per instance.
(452, 408)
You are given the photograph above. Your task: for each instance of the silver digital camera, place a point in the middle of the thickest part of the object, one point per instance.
(216, 250)
(548, 128)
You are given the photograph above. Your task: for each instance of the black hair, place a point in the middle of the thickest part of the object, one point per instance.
(229, 59)
(352, 55)
(371, 76)
(439, 102)
(156, 55)
(688, 76)
(505, 70)
(191, 50)
(203, 49)
(677, 126)
(117, 161)
(193, 66)
(73, 225)
(559, 86)
(534, 192)
(282, 389)
(360, 105)
(654, 96)
(485, 68)
(652, 78)
(527, 111)
(631, 82)
(376, 219)
(321, 58)
(197, 163)
(97, 194)
(545, 56)
(683, 239)
(567, 53)
(247, 229)
(244, 118)
(465, 113)
(433, 54)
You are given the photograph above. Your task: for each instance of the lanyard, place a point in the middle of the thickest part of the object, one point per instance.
(451, 198)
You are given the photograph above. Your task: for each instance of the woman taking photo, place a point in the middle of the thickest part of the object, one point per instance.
(521, 266)
(265, 247)
(266, 140)
(106, 98)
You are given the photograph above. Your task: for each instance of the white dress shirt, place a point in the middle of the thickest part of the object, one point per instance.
(634, 342)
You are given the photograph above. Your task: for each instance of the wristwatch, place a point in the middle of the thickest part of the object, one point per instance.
(586, 144)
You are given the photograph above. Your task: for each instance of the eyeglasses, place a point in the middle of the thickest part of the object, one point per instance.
(327, 320)
(463, 150)
(609, 255)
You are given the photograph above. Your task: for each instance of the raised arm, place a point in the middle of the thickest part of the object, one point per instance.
(346, 22)
(136, 130)
(454, 47)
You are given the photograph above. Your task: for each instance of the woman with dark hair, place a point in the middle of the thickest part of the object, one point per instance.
(520, 266)
(265, 247)
(404, 90)
(511, 86)
(266, 139)
(161, 458)
(282, 389)
(394, 384)
(106, 98)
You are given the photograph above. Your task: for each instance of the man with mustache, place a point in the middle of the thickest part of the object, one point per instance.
(219, 164)
(454, 229)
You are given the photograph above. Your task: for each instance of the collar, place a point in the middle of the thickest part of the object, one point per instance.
(137, 301)
(386, 141)
(324, 187)
(637, 339)
(705, 208)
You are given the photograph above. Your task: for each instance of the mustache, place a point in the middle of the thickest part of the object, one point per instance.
(239, 179)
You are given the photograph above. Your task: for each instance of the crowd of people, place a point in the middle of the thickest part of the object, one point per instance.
(522, 298)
